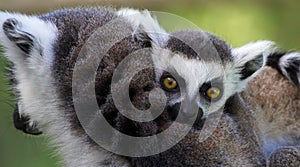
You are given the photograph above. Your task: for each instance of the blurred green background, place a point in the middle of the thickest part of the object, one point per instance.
(238, 22)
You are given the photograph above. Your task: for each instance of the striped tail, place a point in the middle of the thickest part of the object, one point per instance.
(287, 63)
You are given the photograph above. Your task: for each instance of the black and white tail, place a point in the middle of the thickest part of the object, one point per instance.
(286, 63)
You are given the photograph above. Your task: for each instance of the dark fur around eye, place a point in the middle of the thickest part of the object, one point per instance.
(168, 75)
(214, 83)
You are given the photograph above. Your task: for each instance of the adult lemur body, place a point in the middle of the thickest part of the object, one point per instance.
(44, 49)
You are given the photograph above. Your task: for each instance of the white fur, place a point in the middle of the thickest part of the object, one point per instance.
(285, 61)
(250, 51)
(287, 58)
(43, 31)
(265, 48)
(195, 73)
(39, 98)
(37, 68)
(147, 22)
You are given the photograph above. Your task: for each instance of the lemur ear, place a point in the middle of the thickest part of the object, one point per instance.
(24, 36)
(24, 40)
(146, 28)
(250, 58)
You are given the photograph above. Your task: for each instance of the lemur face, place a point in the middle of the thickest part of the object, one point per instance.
(198, 70)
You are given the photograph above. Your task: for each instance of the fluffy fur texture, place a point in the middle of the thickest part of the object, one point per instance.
(43, 57)
(287, 64)
(274, 97)
(285, 156)
(276, 104)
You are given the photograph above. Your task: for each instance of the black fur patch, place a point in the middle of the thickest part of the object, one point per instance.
(21, 122)
(273, 61)
(199, 45)
(251, 67)
(21, 38)
(292, 70)
(176, 45)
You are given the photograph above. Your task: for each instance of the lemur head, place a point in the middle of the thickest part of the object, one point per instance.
(197, 69)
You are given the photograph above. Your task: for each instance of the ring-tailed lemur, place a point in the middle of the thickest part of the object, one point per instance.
(286, 63)
(43, 51)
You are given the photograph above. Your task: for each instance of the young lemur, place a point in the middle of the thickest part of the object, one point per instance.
(199, 74)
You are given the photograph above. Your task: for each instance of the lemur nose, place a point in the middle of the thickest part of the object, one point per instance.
(190, 109)
(189, 114)
(192, 114)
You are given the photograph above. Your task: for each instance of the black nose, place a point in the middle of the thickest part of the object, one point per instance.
(192, 114)
(22, 123)
(189, 114)
(198, 124)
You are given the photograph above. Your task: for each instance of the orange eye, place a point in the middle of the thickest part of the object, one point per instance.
(213, 92)
(170, 83)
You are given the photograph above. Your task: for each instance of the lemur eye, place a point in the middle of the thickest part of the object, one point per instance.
(169, 83)
(213, 92)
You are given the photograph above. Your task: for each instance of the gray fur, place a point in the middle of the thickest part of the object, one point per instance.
(49, 67)
(198, 44)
